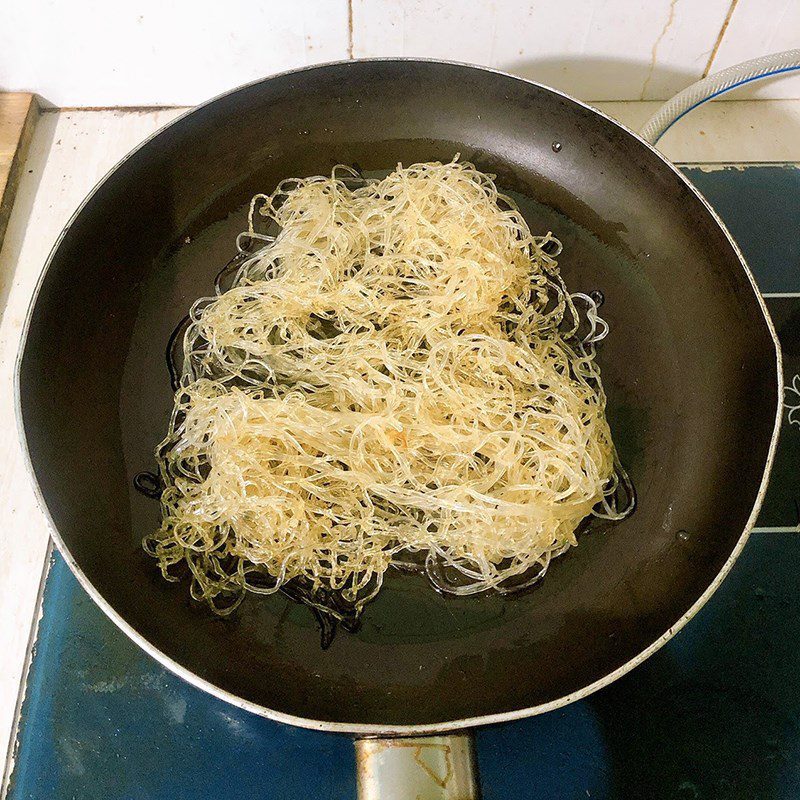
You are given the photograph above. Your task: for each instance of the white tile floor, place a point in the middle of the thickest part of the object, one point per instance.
(71, 151)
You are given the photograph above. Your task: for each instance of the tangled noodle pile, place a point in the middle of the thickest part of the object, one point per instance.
(396, 375)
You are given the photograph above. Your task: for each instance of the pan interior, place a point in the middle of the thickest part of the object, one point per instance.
(689, 368)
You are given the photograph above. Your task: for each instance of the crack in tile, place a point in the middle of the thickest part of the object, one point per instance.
(654, 51)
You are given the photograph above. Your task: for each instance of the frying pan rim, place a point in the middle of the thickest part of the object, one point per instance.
(377, 729)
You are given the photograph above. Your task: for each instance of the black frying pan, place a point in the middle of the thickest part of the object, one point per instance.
(691, 367)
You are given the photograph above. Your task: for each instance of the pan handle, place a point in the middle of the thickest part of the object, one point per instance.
(417, 768)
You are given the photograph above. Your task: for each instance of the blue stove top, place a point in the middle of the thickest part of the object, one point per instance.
(714, 714)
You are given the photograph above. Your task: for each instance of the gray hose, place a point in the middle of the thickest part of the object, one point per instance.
(715, 85)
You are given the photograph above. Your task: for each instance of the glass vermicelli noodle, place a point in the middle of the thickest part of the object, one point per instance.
(394, 375)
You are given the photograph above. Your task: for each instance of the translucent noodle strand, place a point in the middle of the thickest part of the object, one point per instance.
(396, 374)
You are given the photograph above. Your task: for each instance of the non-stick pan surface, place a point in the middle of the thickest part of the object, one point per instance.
(690, 367)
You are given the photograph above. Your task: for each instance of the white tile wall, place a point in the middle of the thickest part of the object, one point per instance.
(757, 27)
(595, 49)
(160, 52)
(165, 52)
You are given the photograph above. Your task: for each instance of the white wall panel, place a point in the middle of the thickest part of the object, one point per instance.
(160, 52)
(176, 52)
(595, 49)
(758, 27)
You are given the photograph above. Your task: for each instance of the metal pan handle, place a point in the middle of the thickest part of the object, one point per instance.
(418, 768)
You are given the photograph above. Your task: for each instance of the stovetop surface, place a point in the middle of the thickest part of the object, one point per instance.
(713, 714)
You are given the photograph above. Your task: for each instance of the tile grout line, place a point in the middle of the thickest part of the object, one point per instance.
(350, 30)
(720, 37)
